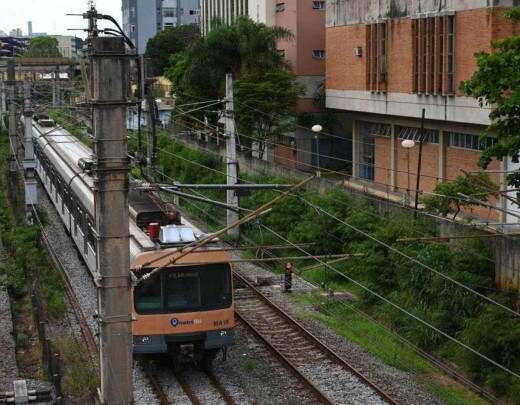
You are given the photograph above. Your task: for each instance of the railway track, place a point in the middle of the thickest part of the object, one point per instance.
(203, 388)
(324, 372)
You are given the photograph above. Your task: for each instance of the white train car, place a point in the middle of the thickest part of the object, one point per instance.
(188, 305)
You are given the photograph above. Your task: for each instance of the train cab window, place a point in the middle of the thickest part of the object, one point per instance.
(148, 299)
(186, 289)
(182, 290)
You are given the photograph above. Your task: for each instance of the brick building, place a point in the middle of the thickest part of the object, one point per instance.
(386, 61)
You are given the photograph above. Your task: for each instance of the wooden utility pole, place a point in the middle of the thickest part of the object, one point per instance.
(29, 164)
(231, 158)
(109, 69)
(13, 140)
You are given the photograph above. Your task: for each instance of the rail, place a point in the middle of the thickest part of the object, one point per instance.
(311, 338)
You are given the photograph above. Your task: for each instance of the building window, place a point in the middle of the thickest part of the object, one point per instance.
(318, 5)
(433, 55)
(280, 7)
(169, 12)
(132, 28)
(470, 141)
(415, 134)
(377, 57)
(318, 54)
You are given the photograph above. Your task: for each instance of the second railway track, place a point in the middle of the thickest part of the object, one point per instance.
(331, 378)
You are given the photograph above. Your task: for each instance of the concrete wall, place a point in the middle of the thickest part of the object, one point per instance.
(347, 12)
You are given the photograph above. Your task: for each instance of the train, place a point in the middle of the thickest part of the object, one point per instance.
(187, 310)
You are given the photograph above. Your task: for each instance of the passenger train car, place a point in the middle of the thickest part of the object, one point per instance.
(187, 309)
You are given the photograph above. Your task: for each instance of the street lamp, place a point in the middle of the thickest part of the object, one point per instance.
(317, 129)
(408, 144)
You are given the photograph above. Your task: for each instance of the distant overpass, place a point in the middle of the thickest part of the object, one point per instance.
(25, 66)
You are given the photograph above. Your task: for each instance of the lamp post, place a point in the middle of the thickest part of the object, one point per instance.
(317, 129)
(408, 144)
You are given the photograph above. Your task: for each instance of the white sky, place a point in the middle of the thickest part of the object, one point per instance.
(49, 15)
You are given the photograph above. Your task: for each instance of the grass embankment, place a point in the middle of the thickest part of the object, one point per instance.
(26, 260)
(487, 328)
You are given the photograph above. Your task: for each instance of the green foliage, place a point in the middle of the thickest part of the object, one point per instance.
(448, 198)
(275, 93)
(26, 255)
(449, 308)
(81, 379)
(43, 47)
(496, 84)
(244, 48)
(496, 335)
(170, 42)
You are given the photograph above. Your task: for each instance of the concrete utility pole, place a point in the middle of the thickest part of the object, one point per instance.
(109, 69)
(151, 118)
(3, 104)
(55, 87)
(231, 157)
(29, 164)
(13, 140)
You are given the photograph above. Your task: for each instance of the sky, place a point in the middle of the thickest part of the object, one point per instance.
(49, 15)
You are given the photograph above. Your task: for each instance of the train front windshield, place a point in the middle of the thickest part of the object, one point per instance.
(185, 289)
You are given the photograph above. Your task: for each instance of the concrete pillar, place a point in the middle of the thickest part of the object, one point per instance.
(110, 73)
(441, 153)
(393, 158)
(355, 149)
(231, 157)
(29, 163)
(55, 87)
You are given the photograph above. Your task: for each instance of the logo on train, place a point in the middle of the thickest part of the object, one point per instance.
(176, 322)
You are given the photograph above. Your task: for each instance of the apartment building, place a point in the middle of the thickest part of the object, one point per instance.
(69, 46)
(143, 19)
(386, 62)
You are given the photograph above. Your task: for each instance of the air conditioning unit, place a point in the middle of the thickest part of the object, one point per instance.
(358, 51)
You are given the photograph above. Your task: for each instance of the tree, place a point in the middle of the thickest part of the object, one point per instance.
(43, 47)
(248, 50)
(449, 197)
(243, 47)
(170, 42)
(275, 94)
(496, 83)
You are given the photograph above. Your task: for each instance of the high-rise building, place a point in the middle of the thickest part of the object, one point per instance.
(29, 29)
(224, 10)
(16, 32)
(143, 19)
(386, 62)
